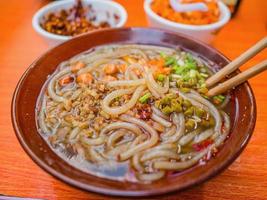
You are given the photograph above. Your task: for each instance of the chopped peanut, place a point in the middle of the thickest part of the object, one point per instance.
(110, 69)
(109, 78)
(79, 65)
(66, 80)
(126, 97)
(129, 59)
(121, 68)
(137, 72)
(85, 78)
(142, 61)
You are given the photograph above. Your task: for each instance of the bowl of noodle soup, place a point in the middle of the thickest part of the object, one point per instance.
(120, 113)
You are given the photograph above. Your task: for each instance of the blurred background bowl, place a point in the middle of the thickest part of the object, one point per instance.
(100, 6)
(204, 33)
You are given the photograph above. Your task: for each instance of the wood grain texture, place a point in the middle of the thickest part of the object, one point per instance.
(20, 46)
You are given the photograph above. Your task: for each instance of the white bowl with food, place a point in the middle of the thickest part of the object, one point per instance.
(97, 14)
(203, 32)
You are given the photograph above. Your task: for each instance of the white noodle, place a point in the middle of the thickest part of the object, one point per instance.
(169, 132)
(117, 150)
(95, 156)
(203, 136)
(51, 85)
(136, 162)
(115, 136)
(156, 153)
(92, 141)
(92, 66)
(124, 108)
(188, 138)
(42, 117)
(179, 121)
(129, 83)
(152, 176)
(159, 113)
(145, 145)
(160, 120)
(138, 140)
(121, 125)
(73, 137)
(130, 74)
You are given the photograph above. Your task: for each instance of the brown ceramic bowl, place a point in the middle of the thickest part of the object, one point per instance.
(242, 110)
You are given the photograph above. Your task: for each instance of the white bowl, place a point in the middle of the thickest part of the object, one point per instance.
(204, 33)
(100, 6)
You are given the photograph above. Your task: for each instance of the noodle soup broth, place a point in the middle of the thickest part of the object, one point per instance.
(132, 112)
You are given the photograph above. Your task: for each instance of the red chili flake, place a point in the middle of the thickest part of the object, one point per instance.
(144, 111)
(202, 145)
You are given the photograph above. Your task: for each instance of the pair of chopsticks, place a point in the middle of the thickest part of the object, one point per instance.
(235, 64)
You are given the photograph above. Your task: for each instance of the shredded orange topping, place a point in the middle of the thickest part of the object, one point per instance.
(158, 64)
(164, 9)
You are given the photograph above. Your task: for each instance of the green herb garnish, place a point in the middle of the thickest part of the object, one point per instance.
(161, 77)
(144, 98)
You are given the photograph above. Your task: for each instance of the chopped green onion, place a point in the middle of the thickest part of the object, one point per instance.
(167, 110)
(186, 76)
(190, 62)
(161, 77)
(221, 97)
(187, 103)
(185, 90)
(163, 55)
(203, 90)
(190, 124)
(205, 96)
(169, 61)
(202, 70)
(189, 58)
(204, 75)
(178, 69)
(217, 99)
(189, 111)
(144, 98)
(202, 82)
(170, 103)
(192, 81)
(203, 85)
(176, 76)
(199, 112)
(193, 73)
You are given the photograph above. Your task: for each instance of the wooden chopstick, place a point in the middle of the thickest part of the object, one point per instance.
(251, 52)
(238, 79)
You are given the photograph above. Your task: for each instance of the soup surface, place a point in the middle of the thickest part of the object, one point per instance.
(132, 112)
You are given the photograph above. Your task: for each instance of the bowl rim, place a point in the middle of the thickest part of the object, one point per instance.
(46, 9)
(121, 192)
(225, 12)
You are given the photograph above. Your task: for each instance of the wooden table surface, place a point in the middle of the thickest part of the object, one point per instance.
(246, 178)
